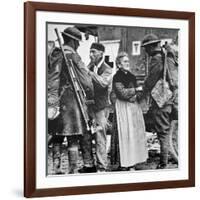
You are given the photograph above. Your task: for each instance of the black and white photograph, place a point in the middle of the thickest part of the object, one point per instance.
(109, 99)
(112, 99)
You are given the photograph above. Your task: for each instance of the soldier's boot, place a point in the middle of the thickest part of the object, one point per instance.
(57, 158)
(164, 150)
(73, 155)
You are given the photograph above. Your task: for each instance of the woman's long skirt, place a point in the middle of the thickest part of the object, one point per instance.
(128, 142)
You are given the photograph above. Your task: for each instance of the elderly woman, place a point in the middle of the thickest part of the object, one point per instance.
(128, 142)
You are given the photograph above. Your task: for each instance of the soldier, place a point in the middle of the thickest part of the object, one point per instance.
(73, 127)
(101, 75)
(161, 116)
(54, 141)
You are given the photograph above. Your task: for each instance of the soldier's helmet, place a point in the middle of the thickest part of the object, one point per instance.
(73, 33)
(149, 40)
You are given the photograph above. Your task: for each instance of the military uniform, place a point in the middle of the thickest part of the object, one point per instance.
(73, 123)
(161, 116)
(62, 94)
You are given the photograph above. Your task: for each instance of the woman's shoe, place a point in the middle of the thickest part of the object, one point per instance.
(123, 169)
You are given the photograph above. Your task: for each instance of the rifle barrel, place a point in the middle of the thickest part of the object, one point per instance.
(75, 84)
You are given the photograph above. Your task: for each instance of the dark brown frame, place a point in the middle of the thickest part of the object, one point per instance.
(30, 9)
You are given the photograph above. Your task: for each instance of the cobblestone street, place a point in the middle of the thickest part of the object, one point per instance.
(58, 158)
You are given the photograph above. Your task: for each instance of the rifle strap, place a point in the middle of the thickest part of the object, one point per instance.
(166, 71)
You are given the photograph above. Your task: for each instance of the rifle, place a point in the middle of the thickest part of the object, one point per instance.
(77, 87)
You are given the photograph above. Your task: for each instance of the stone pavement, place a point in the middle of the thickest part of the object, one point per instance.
(58, 159)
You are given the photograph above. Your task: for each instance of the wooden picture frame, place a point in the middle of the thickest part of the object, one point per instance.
(30, 9)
